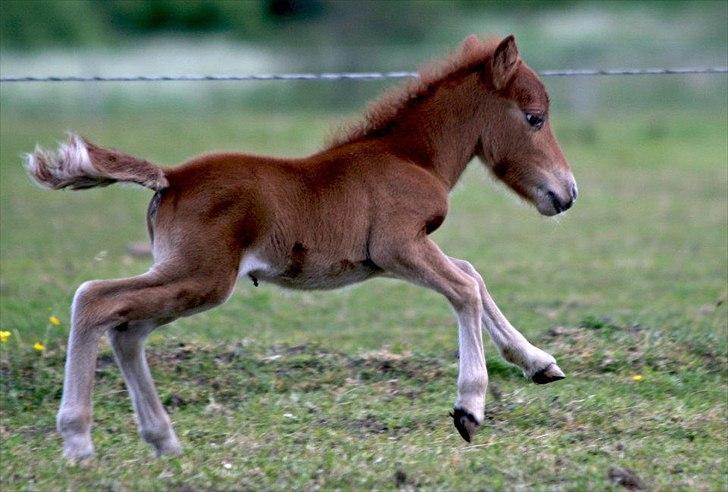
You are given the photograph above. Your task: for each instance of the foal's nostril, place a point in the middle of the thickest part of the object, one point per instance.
(559, 206)
(574, 192)
(555, 202)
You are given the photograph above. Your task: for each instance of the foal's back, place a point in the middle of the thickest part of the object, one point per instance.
(301, 223)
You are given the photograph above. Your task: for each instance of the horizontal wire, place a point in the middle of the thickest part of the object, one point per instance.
(349, 75)
(632, 71)
(199, 78)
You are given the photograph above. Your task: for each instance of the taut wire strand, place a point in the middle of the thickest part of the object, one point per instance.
(579, 72)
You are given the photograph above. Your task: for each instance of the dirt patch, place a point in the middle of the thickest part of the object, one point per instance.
(626, 478)
(370, 425)
(384, 364)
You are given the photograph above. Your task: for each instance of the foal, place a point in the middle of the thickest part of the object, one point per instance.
(361, 208)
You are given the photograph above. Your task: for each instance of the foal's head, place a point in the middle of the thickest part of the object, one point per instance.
(517, 142)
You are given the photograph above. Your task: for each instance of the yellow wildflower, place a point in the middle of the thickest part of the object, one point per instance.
(637, 378)
(54, 320)
(39, 347)
(4, 335)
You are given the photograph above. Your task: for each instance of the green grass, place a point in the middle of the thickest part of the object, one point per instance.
(351, 389)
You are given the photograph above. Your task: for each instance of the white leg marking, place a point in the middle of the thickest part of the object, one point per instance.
(512, 345)
(472, 375)
(74, 415)
(424, 264)
(154, 424)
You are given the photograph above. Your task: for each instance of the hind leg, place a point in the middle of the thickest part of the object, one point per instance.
(136, 305)
(154, 424)
(74, 416)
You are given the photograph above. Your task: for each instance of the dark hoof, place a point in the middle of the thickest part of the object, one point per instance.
(549, 375)
(465, 423)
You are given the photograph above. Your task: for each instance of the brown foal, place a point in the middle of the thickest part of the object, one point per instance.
(363, 207)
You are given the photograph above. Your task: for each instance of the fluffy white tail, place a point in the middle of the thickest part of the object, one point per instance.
(79, 164)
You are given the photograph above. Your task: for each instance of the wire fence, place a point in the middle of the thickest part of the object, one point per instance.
(580, 72)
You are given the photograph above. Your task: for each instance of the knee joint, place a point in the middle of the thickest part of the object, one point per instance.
(467, 295)
(86, 295)
(87, 310)
(85, 292)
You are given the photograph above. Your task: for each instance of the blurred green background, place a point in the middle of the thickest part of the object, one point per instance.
(146, 37)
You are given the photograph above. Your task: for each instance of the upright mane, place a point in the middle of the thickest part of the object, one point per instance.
(381, 113)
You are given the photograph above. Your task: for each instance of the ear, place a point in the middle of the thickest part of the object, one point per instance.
(505, 62)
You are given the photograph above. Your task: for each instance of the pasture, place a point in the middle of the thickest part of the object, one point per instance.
(351, 388)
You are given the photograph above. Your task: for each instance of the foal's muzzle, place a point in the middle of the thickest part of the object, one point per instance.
(554, 202)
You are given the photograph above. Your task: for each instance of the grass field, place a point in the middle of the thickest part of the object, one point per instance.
(351, 389)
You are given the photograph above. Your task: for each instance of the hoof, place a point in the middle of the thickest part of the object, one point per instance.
(77, 447)
(78, 454)
(168, 451)
(169, 447)
(551, 373)
(465, 423)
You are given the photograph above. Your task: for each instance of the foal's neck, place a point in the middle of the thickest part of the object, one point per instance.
(442, 132)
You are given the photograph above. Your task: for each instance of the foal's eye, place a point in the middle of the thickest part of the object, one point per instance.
(535, 120)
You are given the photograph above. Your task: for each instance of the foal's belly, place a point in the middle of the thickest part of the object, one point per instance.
(311, 273)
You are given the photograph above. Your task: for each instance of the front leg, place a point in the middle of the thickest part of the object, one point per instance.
(421, 262)
(537, 365)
